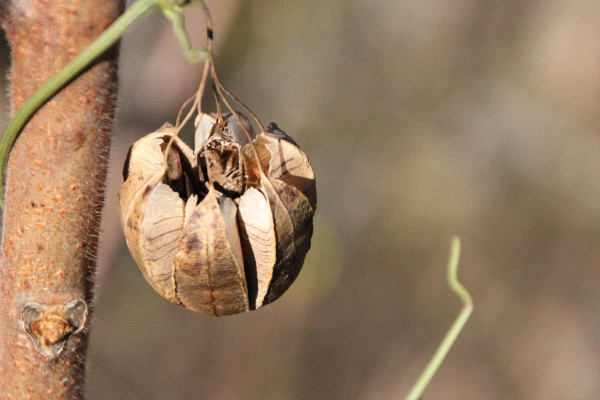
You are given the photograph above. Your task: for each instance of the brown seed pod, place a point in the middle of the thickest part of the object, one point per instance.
(211, 229)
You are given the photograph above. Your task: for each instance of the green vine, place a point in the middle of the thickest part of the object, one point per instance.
(455, 329)
(173, 11)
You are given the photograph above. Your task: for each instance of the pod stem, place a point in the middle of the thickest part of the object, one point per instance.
(455, 329)
(220, 91)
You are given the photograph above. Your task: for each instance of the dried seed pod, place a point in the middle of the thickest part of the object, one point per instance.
(211, 229)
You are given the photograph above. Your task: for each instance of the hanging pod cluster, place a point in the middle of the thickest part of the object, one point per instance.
(223, 228)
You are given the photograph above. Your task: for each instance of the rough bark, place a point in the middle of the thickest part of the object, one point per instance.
(54, 195)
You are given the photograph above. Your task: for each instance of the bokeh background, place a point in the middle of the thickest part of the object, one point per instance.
(422, 119)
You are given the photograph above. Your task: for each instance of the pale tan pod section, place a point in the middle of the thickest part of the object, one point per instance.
(257, 234)
(209, 271)
(162, 228)
(283, 160)
(138, 208)
(293, 217)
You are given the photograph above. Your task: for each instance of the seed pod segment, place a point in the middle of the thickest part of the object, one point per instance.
(151, 211)
(209, 267)
(281, 158)
(257, 234)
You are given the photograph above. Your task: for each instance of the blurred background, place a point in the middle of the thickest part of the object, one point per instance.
(422, 119)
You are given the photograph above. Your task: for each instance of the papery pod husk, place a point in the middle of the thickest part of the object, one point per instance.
(293, 217)
(281, 158)
(209, 266)
(151, 213)
(259, 243)
(290, 188)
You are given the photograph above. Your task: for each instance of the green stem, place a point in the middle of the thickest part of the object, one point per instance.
(174, 13)
(455, 329)
(173, 10)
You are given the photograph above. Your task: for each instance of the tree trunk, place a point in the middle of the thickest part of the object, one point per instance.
(54, 195)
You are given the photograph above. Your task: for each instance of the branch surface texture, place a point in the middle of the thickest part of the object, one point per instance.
(54, 195)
